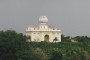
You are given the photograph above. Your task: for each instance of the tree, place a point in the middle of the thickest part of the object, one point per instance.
(56, 54)
(38, 54)
(12, 45)
(65, 38)
(55, 40)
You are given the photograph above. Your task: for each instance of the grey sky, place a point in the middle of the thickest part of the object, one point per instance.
(71, 16)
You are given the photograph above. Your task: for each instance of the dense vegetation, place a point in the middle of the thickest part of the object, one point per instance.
(13, 46)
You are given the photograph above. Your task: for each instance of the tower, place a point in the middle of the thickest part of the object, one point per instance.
(43, 21)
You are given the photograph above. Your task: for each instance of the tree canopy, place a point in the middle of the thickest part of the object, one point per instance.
(13, 46)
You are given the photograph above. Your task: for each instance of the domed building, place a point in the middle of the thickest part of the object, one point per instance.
(43, 32)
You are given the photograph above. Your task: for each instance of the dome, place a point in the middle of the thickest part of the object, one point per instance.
(43, 19)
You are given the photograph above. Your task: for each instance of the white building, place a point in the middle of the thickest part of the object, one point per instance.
(43, 32)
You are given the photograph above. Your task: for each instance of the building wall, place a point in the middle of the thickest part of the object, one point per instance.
(38, 33)
(40, 36)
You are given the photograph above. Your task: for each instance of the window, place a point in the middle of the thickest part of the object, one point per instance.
(41, 26)
(34, 28)
(53, 29)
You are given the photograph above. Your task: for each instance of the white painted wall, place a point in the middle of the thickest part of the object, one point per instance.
(37, 34)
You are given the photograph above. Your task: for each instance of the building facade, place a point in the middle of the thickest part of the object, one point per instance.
(43, 32)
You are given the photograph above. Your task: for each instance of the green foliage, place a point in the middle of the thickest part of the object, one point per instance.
(56, 54)
(13, 46)
(62, 51)
(83, 39)
(64, 38)
(38, 54)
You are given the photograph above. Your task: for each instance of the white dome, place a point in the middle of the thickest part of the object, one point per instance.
(43, 19)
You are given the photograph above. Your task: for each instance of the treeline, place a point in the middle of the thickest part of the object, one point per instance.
(13, 46)
(84, 39)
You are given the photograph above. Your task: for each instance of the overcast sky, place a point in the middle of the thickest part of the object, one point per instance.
(71, 16)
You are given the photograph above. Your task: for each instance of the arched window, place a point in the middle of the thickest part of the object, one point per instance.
(28, 38)
(46, 38)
